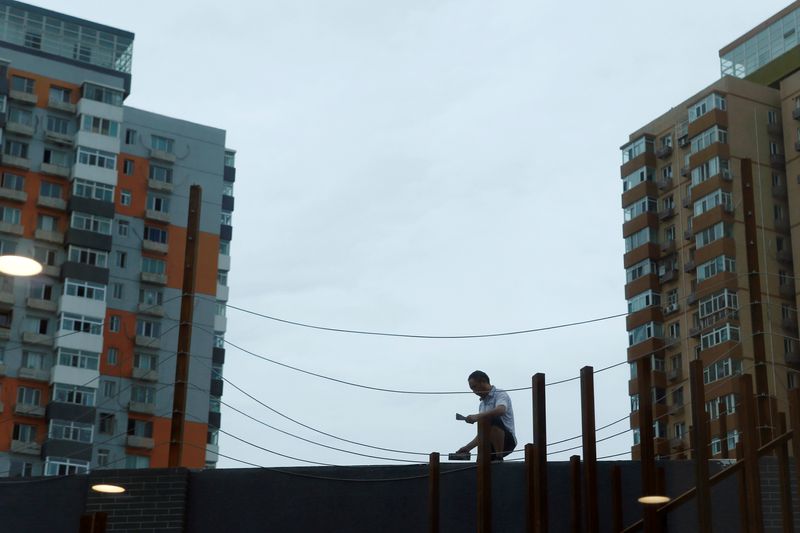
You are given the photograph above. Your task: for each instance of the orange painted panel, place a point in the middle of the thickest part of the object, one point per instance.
(8, 395)
(206, 266)
(122, 340)
(194, 453)
(136, 183)
(42, 86)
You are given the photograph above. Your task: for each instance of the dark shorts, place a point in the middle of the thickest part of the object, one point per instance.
(508, 443)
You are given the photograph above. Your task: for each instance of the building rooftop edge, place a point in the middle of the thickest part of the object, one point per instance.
(69, 18)
(751, 33)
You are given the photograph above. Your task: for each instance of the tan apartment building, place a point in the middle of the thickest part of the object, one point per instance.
(711, 201)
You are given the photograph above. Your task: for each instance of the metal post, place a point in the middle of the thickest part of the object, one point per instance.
(700, 442)
(723, 429)
(750, 438)
(616, 499)
(741, 479)
(646, 446)
(484, 477)
(589, 448)
(433, 493)
(575, 493)
(784, 479)
(540, 459)
(530, 476)
(185, 330)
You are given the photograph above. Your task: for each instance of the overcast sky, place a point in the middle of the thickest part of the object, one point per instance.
(429, 167)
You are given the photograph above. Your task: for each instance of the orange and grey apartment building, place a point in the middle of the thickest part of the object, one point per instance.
(711, 201)
(98, 192)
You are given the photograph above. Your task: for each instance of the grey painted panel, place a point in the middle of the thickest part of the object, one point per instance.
(70, 411)
(71, 269)
(67, 448)
(88, 239)
(91, 206)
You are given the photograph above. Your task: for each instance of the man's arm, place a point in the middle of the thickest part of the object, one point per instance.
(471, 444)
(491, 413)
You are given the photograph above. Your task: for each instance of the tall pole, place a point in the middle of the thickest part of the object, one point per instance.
(646, 445)
(540, 459)
(589, 448)
(701, 441)
(185, 330)
(484, 477)
(433, 493)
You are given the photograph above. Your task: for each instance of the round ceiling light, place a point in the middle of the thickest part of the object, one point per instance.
(108, 488)
(654, 500)
(16, 265)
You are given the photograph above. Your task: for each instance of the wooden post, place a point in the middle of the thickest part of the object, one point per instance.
(589, 448)
(794, 419)
(700, 443)
(93, 523)
(741, 479)
(750, 438)
(530, 476)
(646, 446)
(484, 477)
(784, 479)
(575, 493)
(616, 499)
(181, 385)
(433, 493)
(540, 459)
(723, 429)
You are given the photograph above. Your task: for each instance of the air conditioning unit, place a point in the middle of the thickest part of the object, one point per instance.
(671, 308)
(726, 173)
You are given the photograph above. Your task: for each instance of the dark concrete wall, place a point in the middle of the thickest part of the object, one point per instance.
(42, 505)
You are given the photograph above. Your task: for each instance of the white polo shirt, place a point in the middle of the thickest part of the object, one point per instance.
(498, 397)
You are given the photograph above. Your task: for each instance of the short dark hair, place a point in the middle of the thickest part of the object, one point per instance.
(479, 376)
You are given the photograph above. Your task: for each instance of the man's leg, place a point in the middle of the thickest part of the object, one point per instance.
(497, 438)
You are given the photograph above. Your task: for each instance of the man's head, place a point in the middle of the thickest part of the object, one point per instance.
(479, 383)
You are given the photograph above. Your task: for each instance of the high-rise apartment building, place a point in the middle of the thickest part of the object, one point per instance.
(98, 192)
(711, 200)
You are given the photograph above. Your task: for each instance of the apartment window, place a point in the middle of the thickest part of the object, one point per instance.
(122, 228)
(137, 461)
(222, 277)
(16, 148)
(125, 197)
(35, 360)
(97, 158)
(127, 167)
(717, 302)
(103, 457)
(226, 218)
(660, 429)
(140, 428)
(155, 234)
(153, 266)
(49, 190)
(148, 328)
(108, 423)
(713, 267)
(640, 238)
(227, 189)
(12, 181)
(94, 223)
(143, 394)
(10, 215)
(224, 248)
(28, 396)
(58, 466)
(669, 233)
(101, 126)
(85, 289)
(57, 125)
(219, 340)
(703, 140)
(214, 405)
(680, 430)
(93, 190)
(783, 278)
(777, 180)
(677, 397)
(635, 178)
(46, 223)
(102, 94)
(120, 259)
(157, 203)
(779, 244)
(164, 144)
(5, 319)
(777, 212)
(45, 256)
(24, 433)
(772, 117)
(712, 406)
(672, 297)
(21, 84)
(33, 324)
(144, 361)
(668, 202)
(230, 158)
(59, 95)
(636, 148)
(20, 116)
(712, 200)
(719, 335)
(162, 174)
(641, 301)
(70, 430)
(117, 290)
(773, 148)
(644, 332)
(112, 355)
(710, 102)
(114, 323)
(109, 388)
(151, 296)
(721, 369)
(642, 268)
(80, 323)
(715, 232)
(59, 158)
(78, 358)
(634, 403)
(220, 308)
(130, 136)
(716, 442)
(88, 256)
(40, 290)
(792, 380)
(674, 330)
(73, 394)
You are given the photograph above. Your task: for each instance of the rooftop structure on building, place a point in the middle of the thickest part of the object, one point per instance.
(98, 192)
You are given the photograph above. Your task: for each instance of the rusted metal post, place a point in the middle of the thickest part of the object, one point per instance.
(589, 448)
(646, 446)
(616, 499)
(700, 442)
(794, 420)
(750, 438)
(181, 385)
(540, 459)
(784, 479)
(723, 430)
(433, 493)
(530, 476)
(484, 477)
(575, 493)
(742, 481)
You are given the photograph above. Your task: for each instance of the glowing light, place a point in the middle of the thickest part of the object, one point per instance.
(654, 500)
(16, 265)
(108, 489)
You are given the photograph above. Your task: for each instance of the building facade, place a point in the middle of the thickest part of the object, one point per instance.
(711, 201)
(98, 192)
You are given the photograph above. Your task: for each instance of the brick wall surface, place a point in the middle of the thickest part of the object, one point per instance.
(770, 495)
(154, 500)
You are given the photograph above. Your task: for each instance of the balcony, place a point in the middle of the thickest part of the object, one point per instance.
(782, 225)
(779, 191)
(161, 155)
(135, 441)
(156, 279)
(145, 374)
(668, 247)
(159, 216)
(688, 235)
(13, 194)
(150, 309)
(27, 448)
(726, 175)
(671, 308)
(796, 113)
(669, 275)
(29, 337)
(15, 161)
(56, 170)
(58, 105)
(55, 237)
(784, 256)
(35, 374)
(20, 129)
(677, 443)
(664, 183)
(774, 128)
(675, 374)
(664, 152)
(777, 160)
(144, 408)
(41, 305)
(786, 289)
(685, 171)
(671, 342)
(157, 185)
(689, 266)
(687, 201)
(793, 357)
(789, 323)
(157, 247)
(683, 141)
(53, 203)
(58, 138)
(5, 333)
(147, 342)
(666, 214)
(695, 331)
(24, 409)
(23, 97)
